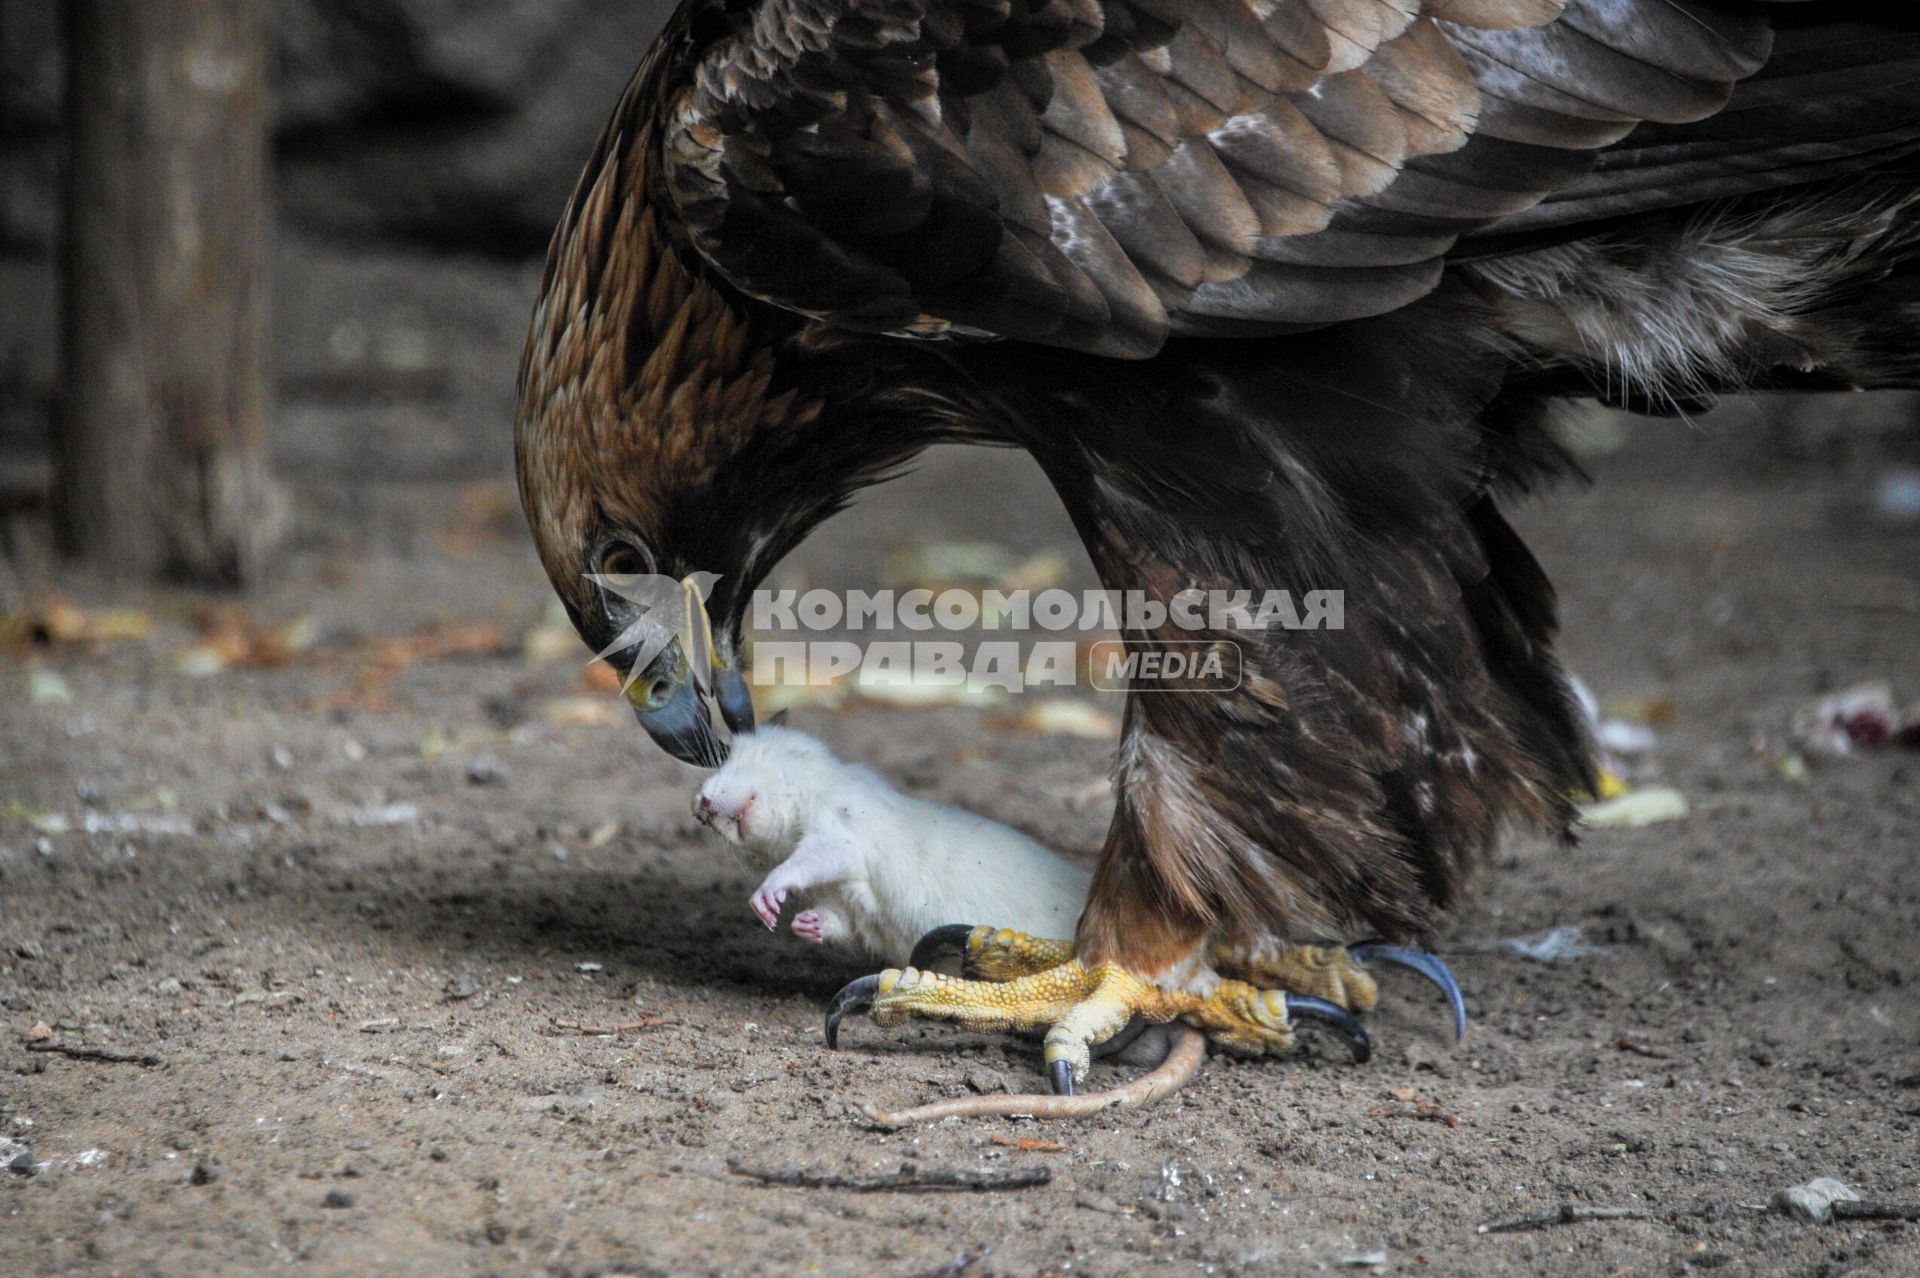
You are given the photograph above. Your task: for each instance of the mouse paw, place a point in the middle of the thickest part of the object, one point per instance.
(810, 927)
(767, 903)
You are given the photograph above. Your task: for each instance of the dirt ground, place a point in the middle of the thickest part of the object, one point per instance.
(424, 968)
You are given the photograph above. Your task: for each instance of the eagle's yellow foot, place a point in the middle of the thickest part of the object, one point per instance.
(1080, 1007)
(989, 953)
(1337, 973)
(1328, 973)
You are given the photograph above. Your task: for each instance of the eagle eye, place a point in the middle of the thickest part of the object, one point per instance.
(622, 560)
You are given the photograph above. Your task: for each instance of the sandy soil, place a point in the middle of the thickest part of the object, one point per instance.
(363, 953)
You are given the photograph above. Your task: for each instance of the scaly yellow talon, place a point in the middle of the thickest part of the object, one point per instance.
(1005, 955)
(1328, 973)
(1024, 1003)
(1080, 1007)
(990, 953)
(1116, 997)
(1032, 983)
(1245, 1019)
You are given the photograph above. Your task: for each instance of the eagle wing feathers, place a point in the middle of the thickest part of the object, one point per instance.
(1103, 174)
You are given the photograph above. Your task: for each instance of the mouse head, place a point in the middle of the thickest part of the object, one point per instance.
(761, 795)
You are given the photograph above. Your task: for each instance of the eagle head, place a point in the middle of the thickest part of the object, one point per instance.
(655, 448)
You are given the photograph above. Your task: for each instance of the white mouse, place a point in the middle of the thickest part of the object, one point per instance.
(878, 869)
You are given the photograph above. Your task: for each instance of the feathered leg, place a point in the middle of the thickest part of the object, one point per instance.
(1349, 771)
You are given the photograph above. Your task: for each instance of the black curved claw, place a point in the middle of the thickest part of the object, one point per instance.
(946, 941)
(1302, 1007)
(855, 996)
(1060, 1074)
(1428, 965)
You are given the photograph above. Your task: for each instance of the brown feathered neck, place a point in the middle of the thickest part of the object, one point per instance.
(646, 381)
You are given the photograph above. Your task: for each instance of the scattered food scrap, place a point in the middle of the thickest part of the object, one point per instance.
(47, 687)
(1552, 946)
(1650, 806)
(1623, 732)
(1067, 717)
(1855, 720)
(944, 565)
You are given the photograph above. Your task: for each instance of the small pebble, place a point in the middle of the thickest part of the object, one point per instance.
(985, 1082)
(1812, 1202)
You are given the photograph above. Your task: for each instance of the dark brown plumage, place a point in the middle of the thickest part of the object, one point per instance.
(1275, 293)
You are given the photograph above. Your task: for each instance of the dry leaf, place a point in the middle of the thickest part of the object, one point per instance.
(437, 641)
(1028, 1145)
(229, 637)
(1068, 717)
(56, 619)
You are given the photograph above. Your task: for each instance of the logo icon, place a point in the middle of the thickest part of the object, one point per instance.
(669, 610)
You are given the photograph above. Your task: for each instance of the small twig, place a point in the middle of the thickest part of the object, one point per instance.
(1844, 1210)
(80, 1052)
(909, 1178)
(1568, 1214)
(624, 1027)
(1182, 1063)
(1571, 1214)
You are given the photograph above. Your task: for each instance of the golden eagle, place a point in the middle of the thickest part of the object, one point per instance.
(1276, 293)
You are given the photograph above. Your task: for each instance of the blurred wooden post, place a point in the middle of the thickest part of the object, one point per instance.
(161, 464)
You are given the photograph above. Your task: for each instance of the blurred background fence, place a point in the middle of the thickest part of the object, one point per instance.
(421, 151)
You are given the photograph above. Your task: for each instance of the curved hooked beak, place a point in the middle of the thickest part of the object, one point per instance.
(677, 718)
